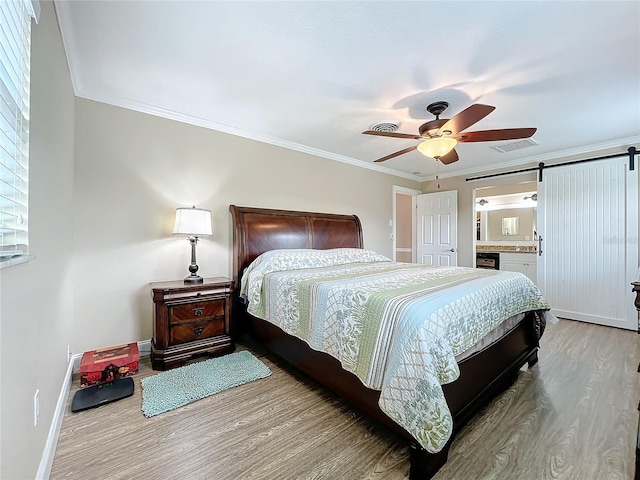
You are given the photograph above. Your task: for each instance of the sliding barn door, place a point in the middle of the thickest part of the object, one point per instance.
(588, 223)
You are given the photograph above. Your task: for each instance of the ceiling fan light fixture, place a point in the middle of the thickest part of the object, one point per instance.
(437, 147)
(440, 136)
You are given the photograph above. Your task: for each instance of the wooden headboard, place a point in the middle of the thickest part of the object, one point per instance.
(257, 230)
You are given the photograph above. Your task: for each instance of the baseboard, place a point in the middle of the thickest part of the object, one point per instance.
(46, 461)
(145, 348)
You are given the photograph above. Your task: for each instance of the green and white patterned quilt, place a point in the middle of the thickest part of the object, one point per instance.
(397, 326)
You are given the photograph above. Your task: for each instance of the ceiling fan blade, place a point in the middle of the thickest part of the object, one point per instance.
(401, 152)
(467, 117)
(492, 135)
(393, 134)
(450, 157)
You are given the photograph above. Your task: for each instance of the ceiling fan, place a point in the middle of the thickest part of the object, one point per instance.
(440, 136)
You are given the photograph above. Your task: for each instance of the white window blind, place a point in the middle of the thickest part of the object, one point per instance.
(15, 51)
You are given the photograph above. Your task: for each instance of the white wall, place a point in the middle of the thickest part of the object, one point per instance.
(36, 309)
(133, 170)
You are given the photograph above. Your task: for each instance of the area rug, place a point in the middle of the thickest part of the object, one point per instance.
(178, 387)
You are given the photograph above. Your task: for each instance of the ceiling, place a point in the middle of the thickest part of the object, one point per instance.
(312, 76)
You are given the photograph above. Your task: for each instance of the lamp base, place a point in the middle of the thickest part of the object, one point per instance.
(193, 279)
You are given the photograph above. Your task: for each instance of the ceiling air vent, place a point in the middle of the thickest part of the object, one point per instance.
(385, 127)
(519, 145)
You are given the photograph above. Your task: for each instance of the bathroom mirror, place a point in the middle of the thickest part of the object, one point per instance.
(510, 226)
(506, 214)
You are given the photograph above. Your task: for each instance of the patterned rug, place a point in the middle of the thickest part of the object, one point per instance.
(178, 387)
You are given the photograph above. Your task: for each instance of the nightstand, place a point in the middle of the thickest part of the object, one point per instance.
(190, 320)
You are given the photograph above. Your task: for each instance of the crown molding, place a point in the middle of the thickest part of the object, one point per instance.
(65, 26)
(528, 161)
(221, 127)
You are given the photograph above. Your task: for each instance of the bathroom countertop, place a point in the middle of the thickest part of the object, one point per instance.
(506, 249)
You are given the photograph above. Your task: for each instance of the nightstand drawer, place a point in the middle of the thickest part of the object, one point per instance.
(193, 312)
(190, 320)
(196, 331)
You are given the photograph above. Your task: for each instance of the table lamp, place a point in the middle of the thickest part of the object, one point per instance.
(193, 222)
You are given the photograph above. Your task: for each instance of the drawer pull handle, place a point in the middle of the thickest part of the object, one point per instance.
(197, 311)
(198, 330)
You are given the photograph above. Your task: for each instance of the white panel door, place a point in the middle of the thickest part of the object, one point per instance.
(437, 222)
(588, 222)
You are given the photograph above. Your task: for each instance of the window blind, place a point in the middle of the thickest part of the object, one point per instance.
(15, 51)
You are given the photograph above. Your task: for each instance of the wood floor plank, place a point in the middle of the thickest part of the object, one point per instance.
(572, 416)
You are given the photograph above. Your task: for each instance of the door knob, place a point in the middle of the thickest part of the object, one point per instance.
(452, 250)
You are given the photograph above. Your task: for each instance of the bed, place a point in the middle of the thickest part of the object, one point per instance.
(484, 370)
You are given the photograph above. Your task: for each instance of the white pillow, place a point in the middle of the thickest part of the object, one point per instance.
(298, 259)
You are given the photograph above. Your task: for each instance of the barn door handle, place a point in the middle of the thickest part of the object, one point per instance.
(539, 246)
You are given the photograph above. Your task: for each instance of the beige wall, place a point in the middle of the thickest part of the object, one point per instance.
(36, 311)
(404, 227)
(525, 220)
(133, 170)
(105, 183)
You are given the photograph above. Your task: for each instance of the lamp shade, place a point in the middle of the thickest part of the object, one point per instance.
(437, 147)
(193, 222)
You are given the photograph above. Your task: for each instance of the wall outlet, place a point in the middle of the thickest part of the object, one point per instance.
(36, 407)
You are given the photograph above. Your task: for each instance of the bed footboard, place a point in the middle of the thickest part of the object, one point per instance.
(482, 376)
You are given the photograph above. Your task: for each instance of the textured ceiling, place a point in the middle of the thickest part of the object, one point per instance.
(311, 76)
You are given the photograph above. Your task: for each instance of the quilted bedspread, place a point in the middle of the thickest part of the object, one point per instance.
(397, 326)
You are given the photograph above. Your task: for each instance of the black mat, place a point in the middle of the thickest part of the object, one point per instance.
(97, 395)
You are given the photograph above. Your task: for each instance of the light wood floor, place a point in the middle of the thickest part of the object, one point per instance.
(572, 416)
